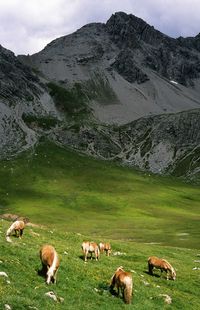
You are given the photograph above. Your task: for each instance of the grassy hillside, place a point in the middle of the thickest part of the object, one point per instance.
(66, 191)
(77, 198)
(86, 285)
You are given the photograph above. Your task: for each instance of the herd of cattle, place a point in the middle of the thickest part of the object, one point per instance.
(121, 280)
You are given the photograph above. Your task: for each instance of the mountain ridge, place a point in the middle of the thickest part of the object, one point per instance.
(111, 75)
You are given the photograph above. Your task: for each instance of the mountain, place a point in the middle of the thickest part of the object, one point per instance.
(120, 90)
(127, 68)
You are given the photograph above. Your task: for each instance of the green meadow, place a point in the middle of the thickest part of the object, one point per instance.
(86, 285)
(73, 198)
(63, 190)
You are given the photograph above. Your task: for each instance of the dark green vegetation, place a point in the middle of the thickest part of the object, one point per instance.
(73, 102)
(42, 122)
(86, 285)
(61, 189)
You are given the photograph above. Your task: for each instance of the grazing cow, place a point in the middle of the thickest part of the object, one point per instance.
(90, 247)
(105, 247)
(163, 265)
(122, 280)
(17, 227)
(50, 262)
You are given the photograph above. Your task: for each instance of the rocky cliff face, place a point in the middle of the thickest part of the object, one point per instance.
(175, 59)
(119, 91)
(21, 94)
(161, 144)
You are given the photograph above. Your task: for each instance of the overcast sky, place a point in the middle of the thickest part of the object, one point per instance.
(27, 26)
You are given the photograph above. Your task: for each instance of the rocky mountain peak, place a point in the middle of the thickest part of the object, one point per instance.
(127, 30)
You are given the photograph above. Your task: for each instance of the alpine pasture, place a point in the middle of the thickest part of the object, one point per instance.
(73, 198)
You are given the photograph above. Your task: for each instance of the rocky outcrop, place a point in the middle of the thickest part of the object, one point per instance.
(126, 67)
(16, 80)
(21, 93)
(127, 31)
(160, 144)
(173, 59)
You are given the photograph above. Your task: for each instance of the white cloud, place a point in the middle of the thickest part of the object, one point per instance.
(27, 26)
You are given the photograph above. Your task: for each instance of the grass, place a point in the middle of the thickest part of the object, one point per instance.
(86, 285)
(77, 198)
(64, 190)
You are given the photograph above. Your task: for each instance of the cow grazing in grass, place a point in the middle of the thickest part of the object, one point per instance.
(163, 265)
(123, 281)
(17, 227)
(50, 262)
(105, 247)
(90, 247)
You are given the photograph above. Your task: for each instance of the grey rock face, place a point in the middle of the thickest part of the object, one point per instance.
(126, 67)
(160, 144)
(127, 30)
(173, 59)
(16, 79)
(21, 93)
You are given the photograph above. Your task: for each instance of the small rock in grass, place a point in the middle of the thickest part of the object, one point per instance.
(51, 295)
(60, 299)
(196, 268)
(96, 290)
(118, 253)
(145, 283)
(3, 274)
(66, 253)
(7, 307)
(167, 298)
